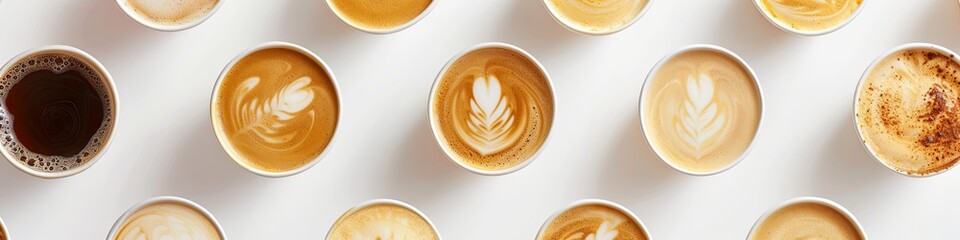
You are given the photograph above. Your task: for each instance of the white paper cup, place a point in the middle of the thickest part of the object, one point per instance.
(660, 64)
(382, 202)
(225, 142)
(436, 129)
(161, 27)
(786, 28)
(815, 200)
(863, 78)
(573, 28)
(165, 199)
(110, 88)
(586, 202)
(383, 31)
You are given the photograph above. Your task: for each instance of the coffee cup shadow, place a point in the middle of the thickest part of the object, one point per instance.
(101, 28)
(632, 170)
(940, 15)
(325, 26)
(422, 173)
(529, 25)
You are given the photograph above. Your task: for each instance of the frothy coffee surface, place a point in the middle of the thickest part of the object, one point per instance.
(492, 109)
(167, 221)
(172, 12)
(597, 15)
(382, 221)
(379, 14)
(701, 110)
(807, 221)
(276, 110)
(907, 111)
(56, 114)
(593, 222)
(811, 15)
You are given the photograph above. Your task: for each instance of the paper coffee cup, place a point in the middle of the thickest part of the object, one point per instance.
(119, 225)
(112, 99)
(566, 23)
(137, 16)
(787, 27)
(600, 202)
(381, 31)
(812, 200)
(225, 142)
(376, 202)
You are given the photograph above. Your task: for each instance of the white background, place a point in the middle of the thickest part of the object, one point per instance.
(164, 144)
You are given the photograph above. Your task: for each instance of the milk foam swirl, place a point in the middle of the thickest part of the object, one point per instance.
(592, 222)
(908, 111)
(811, 15)
(597, 15)
(383, 221)
(167, 221)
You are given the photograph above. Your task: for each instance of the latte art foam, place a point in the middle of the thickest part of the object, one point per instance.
(701, 110)
(597, 15)
(64, 122)
(172, 12)
(277, 108)
(379, 14)
(593, 222)
(811, 15)
(807, 221)
(908, 111)
(382, 221)
(167, 221)
(493, 109)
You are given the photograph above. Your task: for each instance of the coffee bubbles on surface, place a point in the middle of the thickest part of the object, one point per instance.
(57, 112)
(380, 15)
(701, 109)
(492, 108)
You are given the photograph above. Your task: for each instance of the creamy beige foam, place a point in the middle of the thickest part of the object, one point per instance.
(807, 221)
(276, 110)
(172, 12)
(701, 110)
(811, 15)
(379, 14)
(597, 15)
(167, 221)
(493, 109)
(907, 111)
(593, 222)
(382, 221)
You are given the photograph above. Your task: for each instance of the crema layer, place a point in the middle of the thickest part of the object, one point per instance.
(807, 221)
(597, 15)
(172, 12)
(379, 14)
(811, 15)
(592, 222)
(382, 221)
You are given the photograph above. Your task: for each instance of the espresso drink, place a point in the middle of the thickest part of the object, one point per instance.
(172, 12)
(276, 110)
(379, 14)
(908, 111)
(167, 220)
(382, 221)
(492, 109)
(811, 15)
(807, 221)
(593, 222)
(597, 15)
(56, 112)
(701, 110)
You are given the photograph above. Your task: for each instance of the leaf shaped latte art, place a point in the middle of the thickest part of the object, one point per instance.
(699, 120)
(264, 118)
(604, 232)
(490, 118)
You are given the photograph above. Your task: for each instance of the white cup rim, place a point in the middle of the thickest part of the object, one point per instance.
(701, 47)
(435, 129)
(401, 27)
(382, 201)
(111, 89)
(166, 199)
(166, 28)
(569, 26)
(785, 28)
(815, 200)
(863, 78)
(601, 202)
(224, 143)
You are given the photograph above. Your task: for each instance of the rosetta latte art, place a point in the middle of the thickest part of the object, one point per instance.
(264, 118)
(811, 15)
(700, 119)
(491, 118)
